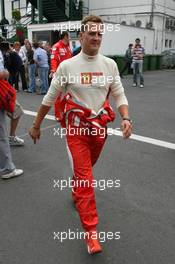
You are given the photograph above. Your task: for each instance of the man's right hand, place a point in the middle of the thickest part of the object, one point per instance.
(4, 75)
(51, 75)
(34, 133)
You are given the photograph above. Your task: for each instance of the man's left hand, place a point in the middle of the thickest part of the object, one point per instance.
(126, 127)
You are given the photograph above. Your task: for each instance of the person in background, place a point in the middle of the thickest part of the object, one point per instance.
(7, 167)
(138, 54)
(31, 68)
(18, 111)
(22, 54)
(128, 61)
(41, 60)
(24, 46)
(60, 51)
(12, 62)
(48, 49)
(40, 43)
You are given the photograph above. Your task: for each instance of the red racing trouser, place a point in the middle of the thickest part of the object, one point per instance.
(84, 149)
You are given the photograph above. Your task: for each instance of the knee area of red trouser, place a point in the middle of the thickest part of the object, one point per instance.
(83, 153)
(83, 192)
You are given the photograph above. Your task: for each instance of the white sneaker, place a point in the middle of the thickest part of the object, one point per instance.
(141, 86)
(14, 173)
(15, 141)
(134, 84)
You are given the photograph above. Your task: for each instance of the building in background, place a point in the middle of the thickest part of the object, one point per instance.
(41, 11)
(158, 15)
(153, 21)
(7, 7)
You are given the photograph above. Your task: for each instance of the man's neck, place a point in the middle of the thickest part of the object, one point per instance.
(65, 42)
(88, 53)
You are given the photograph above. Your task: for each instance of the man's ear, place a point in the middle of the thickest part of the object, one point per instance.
(80, 36)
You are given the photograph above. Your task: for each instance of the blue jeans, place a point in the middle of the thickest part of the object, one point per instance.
(43, 75)
(32, 71)
(138, 70)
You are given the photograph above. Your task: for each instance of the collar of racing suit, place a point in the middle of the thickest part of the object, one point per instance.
(88, 57)
(63, 44)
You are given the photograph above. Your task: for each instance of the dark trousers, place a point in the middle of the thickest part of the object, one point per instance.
(127, 66)
(23, 77)
(13, 79)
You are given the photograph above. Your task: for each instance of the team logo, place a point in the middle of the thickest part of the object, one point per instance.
(87, 77)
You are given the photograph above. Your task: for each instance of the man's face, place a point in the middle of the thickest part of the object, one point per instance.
(27, 45)
(66, 39)
(91, 38)
(137, 41)
(17, 47)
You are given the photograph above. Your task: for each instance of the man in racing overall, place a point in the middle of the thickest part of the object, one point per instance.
(60, 51)
(85, 82)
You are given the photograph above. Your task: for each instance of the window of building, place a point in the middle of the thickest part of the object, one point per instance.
(41, 36)
(166, 43)
(15, 4)
(170, 43)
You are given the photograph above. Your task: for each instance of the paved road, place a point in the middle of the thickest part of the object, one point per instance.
(142, 209)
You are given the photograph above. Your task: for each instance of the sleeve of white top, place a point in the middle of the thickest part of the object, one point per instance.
(56, 87)
(117, 89)
(1, 62)
(22, 55)
(35, 57)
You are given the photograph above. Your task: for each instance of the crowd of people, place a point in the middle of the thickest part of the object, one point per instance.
(26, 61)
(38, 59)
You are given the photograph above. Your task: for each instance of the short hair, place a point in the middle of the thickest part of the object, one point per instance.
(90, 18)
(137, 39)
(35, 45)
(26, 40)
(4, 46)
(63, 34)
(16, 44)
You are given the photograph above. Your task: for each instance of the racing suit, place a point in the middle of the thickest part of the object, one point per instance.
(59, 53)
(88, 81)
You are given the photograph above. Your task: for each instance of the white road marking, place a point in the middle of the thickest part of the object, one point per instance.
(31, 113)
(117, 132)
(148, 140)
(42, 129)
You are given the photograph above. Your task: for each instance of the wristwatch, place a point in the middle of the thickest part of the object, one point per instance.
(127, 118)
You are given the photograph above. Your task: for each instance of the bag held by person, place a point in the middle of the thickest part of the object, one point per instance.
(7, 96)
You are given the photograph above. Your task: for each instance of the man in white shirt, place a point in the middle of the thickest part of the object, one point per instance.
(84, 83)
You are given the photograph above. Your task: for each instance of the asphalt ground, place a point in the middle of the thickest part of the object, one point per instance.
(142, 209)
